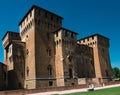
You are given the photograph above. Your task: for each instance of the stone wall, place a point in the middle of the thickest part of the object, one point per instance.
(30, 91)
(23, 92)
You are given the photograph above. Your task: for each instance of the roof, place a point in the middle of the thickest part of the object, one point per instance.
(9, 32)
(35, 6)
(93, 36)
(66, 30)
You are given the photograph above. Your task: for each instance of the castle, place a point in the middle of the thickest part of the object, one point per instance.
(44, 54)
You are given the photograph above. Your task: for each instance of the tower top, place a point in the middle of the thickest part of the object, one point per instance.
(65, 30)
(98, 35)
(37, 7)
(9, 32)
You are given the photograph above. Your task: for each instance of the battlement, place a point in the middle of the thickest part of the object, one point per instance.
(9, 36)
(95, 39)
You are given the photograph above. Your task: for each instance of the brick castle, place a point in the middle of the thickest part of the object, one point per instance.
(45, 54)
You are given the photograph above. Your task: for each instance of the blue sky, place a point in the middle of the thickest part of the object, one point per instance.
(86, 17)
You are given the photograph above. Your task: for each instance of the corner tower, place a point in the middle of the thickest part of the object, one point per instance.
(14, 58)
(100, 45)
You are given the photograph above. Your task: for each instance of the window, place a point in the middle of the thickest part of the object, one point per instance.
(56, 34)
(20, 85)
(87, 39)
(51, 17)
(70, 73)
(27, 51)
(46, 15)
(69, 57)
(84, 40)
(48, 52)
(27, 71)
(30, 13)
(49, 68)
(72, 35)
(26, 36)
(50, 83)
(59, 42)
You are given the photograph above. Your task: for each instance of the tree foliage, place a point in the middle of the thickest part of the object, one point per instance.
(116, 72)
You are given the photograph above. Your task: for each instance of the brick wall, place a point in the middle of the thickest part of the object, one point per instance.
(22, 92)
(112, 83)
(25, 91)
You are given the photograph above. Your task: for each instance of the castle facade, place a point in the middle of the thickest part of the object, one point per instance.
(45, 54)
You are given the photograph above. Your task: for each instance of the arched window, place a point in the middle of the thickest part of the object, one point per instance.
(49, 68)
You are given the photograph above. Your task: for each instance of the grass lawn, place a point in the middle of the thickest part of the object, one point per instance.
(109, 91)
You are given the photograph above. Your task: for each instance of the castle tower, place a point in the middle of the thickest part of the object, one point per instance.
(7, 40)
(14, 59)
(36, 29)
(100, 45)
(65, 42)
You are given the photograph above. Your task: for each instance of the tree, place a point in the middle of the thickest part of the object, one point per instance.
(116, 72)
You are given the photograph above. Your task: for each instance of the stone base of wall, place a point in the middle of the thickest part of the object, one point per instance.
(29, 91)
(25, 91)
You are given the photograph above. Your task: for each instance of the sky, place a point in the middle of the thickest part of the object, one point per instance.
(86, 17)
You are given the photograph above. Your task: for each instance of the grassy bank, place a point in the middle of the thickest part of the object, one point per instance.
(109, 91)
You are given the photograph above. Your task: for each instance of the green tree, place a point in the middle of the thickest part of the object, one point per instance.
(116, 72)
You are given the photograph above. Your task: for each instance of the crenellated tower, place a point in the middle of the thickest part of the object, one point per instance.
(65, 45)
(36, 29)
(14, 58)
(100, 45)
